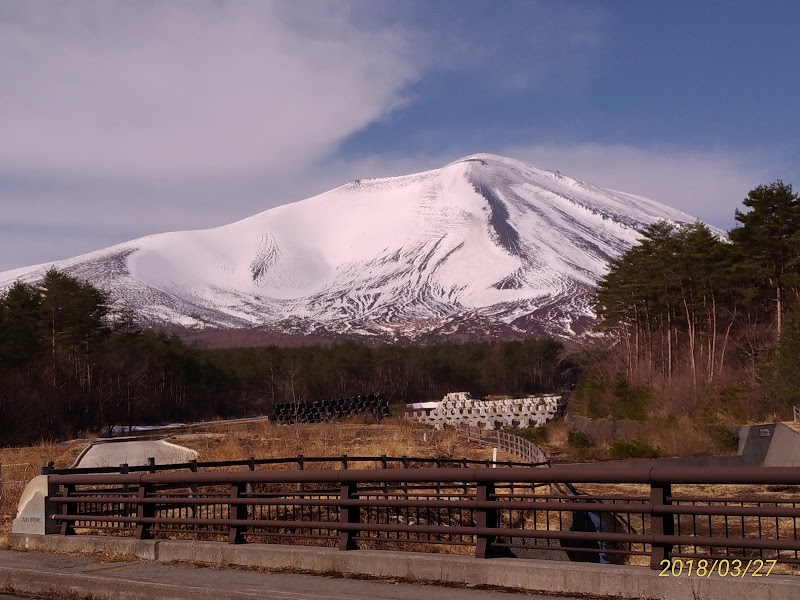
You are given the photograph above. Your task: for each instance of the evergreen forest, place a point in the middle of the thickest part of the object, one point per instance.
(70, 365)
(701, 328)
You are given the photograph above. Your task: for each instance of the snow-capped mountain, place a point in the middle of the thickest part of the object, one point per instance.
(484, 245)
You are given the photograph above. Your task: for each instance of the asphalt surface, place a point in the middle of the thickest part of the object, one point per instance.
(112, 454)
(182, 581)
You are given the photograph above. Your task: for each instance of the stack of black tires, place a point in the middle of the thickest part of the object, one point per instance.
(374, 406)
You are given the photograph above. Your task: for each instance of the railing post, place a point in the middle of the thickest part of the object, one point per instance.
(404, 463)
(47, 469)
(348, 515)
(660, 524)
(238, 512)
(126, 488)
(151, 462)
(484, 517)
(343, 461)
(66, 509)
(144, 511)
(50, 508)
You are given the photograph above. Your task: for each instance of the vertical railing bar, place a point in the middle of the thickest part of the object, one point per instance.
(660, 524)
(484, 518)
(144, 511)
(348, 515)
(238, 512)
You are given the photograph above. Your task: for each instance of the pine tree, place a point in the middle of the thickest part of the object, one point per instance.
(20, 330)
(768, 236)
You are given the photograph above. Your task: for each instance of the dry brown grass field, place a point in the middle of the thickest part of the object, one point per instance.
(392, 437)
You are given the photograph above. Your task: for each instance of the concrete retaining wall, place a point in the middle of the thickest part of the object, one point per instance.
(529, 575)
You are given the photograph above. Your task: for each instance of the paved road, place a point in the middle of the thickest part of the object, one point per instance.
(112, 454)
(155, 580)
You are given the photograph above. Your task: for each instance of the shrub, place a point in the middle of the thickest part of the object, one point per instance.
(723, 436)
(578, 440)
(537, 434)
(601, 395)
(636, 448)
(630, 401)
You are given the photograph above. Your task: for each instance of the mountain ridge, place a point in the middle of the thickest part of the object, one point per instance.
(485, 242)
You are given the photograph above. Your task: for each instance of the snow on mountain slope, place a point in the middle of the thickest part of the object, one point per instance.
(486, 243)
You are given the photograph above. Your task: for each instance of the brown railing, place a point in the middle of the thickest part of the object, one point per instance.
(300, 462)
(508, 442)
(511, 512)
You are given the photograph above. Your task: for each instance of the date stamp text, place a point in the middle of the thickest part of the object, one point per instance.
(723, 567)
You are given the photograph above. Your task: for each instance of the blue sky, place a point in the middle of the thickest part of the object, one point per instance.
(122, 119)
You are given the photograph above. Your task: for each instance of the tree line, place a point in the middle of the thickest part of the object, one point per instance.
(715, 311)
(71, 364)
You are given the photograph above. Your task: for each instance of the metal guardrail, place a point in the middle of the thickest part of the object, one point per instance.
(508, 442)
(496, 511)
(300, 462)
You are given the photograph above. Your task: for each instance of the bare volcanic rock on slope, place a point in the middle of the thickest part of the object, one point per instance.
(486, 243)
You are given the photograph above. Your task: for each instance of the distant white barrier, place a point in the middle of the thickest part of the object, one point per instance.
(508, 442)
(459, 408)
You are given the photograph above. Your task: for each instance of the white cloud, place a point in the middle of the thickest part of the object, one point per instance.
(176, 90)
(126, 118)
